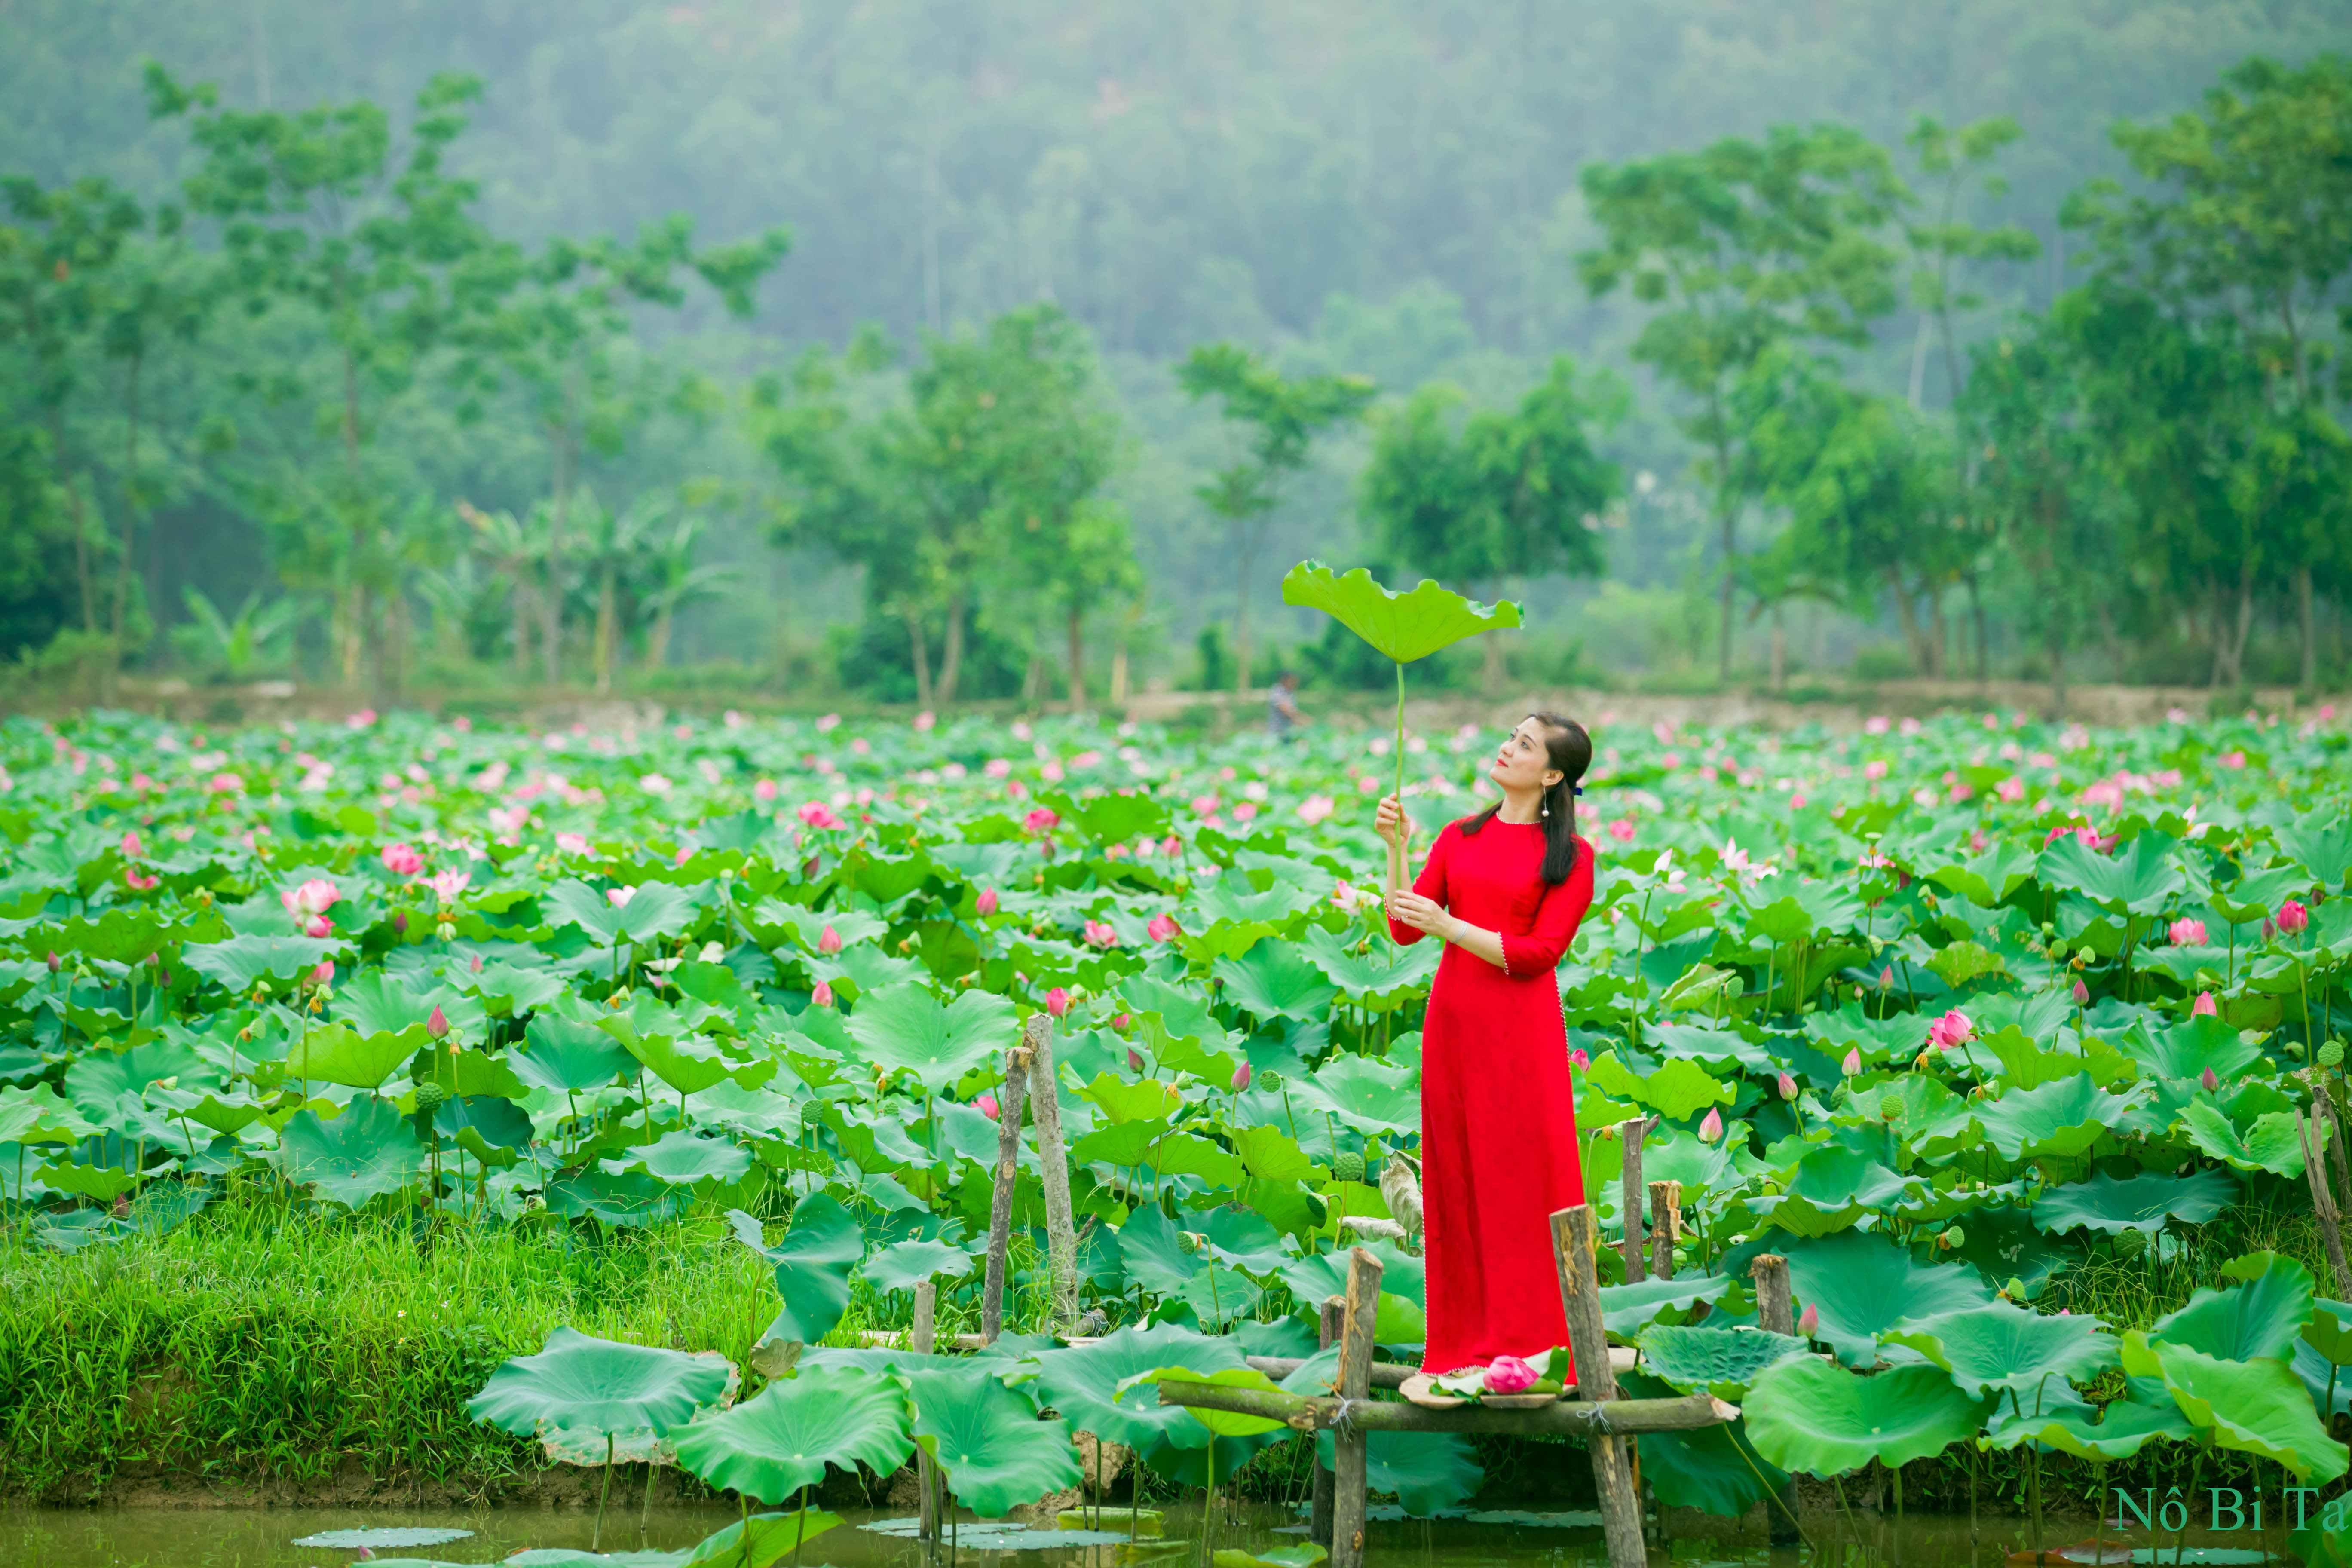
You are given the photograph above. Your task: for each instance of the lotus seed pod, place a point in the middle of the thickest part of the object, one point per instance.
(1188, 1241)
(430, 1097)
(1347, 1167)
(2332, 1054)
(2131, 1243)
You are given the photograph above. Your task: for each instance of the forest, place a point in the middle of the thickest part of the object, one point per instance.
(924, 354)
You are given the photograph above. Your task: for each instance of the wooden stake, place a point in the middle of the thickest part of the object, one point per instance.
(1629, 1201)
(1008, 1178)
(1061, 1231)
(1776, 1312)
(927, 1298)
(1575, 1237)
(1348, 1440)
(1665, 1226)
(2314, 1139)
(1318, 1519)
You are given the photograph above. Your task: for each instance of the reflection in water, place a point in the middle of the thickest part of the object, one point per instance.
(1486, 1538)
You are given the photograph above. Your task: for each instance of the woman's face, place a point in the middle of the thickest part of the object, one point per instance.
(1524, 760)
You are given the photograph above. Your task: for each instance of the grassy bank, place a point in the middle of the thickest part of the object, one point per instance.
(294, 1356)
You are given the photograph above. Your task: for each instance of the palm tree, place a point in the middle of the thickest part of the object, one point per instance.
(516, 549)
(676, 582)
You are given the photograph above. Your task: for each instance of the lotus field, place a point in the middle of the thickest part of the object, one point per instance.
(1964, 1018)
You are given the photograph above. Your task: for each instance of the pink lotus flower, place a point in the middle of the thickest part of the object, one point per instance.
(132, 849)
(2207, 1081)
(1100, 935)
(2082, 994)
(2293, 917)
(1887, 978)
(317, 925)
(1621, 830)
(402, 860)
(828, 941)
(1241, 1078)
(315, 897)
(2187, 932)
(1712, 1128)
(1580, 1059)
(619, 897)
(1874, 770)
(988, 1107)
(1797, 801)
(324, 974)
(1041, 820)
(1171, 847)
(1057, 1001)
(1507, 1375)
(818, 815)
(2204, 1006)
(1810, 1323)
(139, 884)
(765, 790)
(2087, 837)
(822, 995)
(986, 903)
(447, 885)
(1853, 1063)
(1163, 928)
(1119, 1021)
(1954, 1028)
(2010, 789)
(1787, 1087)
(572, 843)
(438, 1025)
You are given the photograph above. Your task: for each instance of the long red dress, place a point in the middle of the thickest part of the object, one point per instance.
(1497, 1111)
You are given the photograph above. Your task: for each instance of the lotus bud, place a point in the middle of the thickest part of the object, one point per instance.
(829, 941)
(55, 963)
(476, 966)
(1163, 928)
(1347, 1166)
(2293, 917)
(986, 902)
(2207, 1081)
(446, 931)
(1508, 1374)
(988, 1107)
(822, 995)
(1120, 1022)
(1887, 978)
(1787, 1087)
(1810, 1323)
(1852, 1066)
(1712, 1128)
(324, 974)
(1134, 1059)
(2204, 1007)
(2081, 993)
(399, 923)
(1241, 1078)
(1057, 1001)
(438, 1025)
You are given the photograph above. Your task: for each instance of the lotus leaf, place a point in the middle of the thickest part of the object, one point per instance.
(1810, 1415)
(1428, 1471)
(633, 1200)
(368, 1150)
(241, 961)
(903, 1265)
(2144, 1202)
(1724, 1362)
(996, 1453)
(1998, 1348)
(2065, 1118)
(1863, 1284)
(821, 1246)
(1274, 980)
(2258, 1319)
(681, 1157)
(1626, 1311)
(1085, 1382)
(1713, 1469)
(774, 1538)
(349, 1540)
(579, 1383)
(905, 1028)
(781, 1439)
(2256, 1407)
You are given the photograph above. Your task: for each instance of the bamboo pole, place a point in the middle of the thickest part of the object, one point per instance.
(1000, 1208)
(1053, 1167)
(1665, 1226)
(1334, 1316)
(1629, 1202)
(927, 1298)
(1776, 1312)
(1575, 1238)
(1348, 1444)
(1561, 1418)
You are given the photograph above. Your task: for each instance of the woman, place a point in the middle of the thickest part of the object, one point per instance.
(1504, 891)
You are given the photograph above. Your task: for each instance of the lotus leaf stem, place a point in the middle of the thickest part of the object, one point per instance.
(596, 1537)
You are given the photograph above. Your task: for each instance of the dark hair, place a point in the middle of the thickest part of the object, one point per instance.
(1569, 750)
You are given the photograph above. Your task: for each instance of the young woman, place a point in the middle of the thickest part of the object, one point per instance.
(1504, 891)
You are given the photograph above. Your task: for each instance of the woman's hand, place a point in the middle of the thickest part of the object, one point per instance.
(1392, 824)
(1428, 916)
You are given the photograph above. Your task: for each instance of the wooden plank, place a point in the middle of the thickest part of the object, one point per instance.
(1054, 1168)
(1008, 1178)
(1385, 1373)
(1665, 1226)
(1629, 1200)
(1561, 1418)
(1334, 1320)
(1575, 1238)
(926, 1300)
(1776, 1312)
(1347, 1444)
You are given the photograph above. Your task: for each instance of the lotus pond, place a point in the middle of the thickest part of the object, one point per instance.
(2022, 1042)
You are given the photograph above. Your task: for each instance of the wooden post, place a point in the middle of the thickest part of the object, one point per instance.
(927, 1298)
(1629, 1202)
(1776, 1314)
(1318, 1519)
(1575, 1237)
(1054, 1168)
(1000, 1208)
(1665, 1226)
(1348, 1440)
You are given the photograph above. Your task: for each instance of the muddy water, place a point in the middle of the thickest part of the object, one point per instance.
(1496, 1538)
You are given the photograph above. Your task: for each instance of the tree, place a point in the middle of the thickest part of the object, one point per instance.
(1277, 419)
(317, 211)
(2252, 224)
(1743, 244)
(1514, 494)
